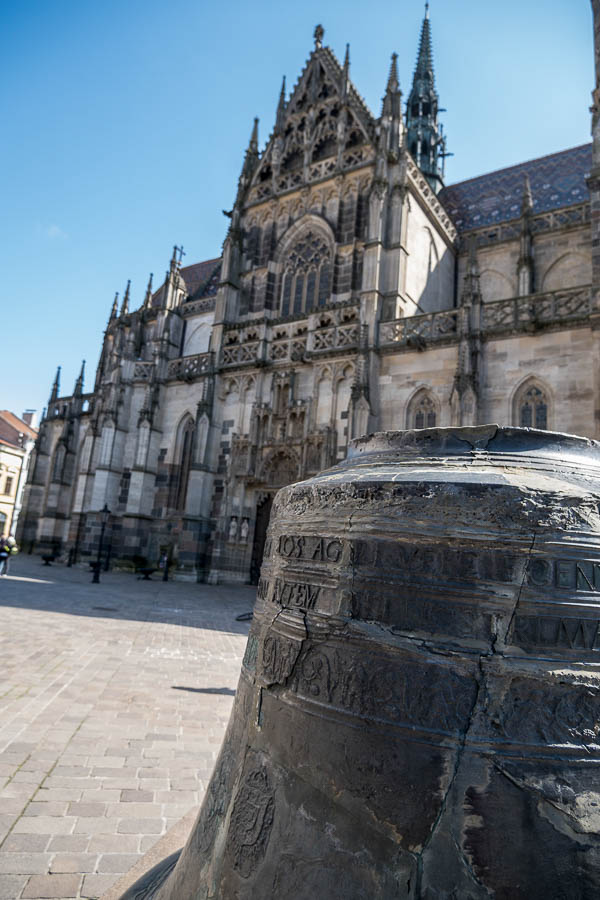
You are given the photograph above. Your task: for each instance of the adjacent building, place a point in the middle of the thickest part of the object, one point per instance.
(17, 439)
(355, 292)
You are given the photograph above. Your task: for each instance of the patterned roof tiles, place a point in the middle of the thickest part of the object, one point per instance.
(557, 181)
(202, 279)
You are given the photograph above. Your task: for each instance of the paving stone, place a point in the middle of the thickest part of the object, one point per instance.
(87, 809)
(137, 796)
(42, 808)
(74, 862)
(117, 862)
(68, 843)
(26, 843)
(95, 886)
(24, 863)
(115, 843)
(61, 794)
(92, 825)
(11, 886)
(44, 825)
(63, 887)
(140, 826)
(134, 810)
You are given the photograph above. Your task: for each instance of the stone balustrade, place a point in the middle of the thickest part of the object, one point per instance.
(188, 368)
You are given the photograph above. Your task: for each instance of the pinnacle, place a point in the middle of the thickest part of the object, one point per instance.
(527, 202)
(253, 146)
(392, 84)
(424, 66)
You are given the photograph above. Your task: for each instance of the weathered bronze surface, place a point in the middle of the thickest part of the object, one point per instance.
(418, 712)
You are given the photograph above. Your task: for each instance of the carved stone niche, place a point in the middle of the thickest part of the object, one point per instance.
(418, 713)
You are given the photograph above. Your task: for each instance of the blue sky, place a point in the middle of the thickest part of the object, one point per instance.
(126, 124)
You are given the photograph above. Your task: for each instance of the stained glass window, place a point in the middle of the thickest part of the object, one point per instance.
(422, 413)
(533, 409)
(306, 279)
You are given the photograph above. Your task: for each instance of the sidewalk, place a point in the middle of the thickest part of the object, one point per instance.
(114, 698)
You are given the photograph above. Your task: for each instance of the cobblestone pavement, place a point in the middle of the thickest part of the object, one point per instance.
(114, 699)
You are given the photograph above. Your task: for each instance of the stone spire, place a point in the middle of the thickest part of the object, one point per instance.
(148, 297)
(55, 388)
(125, 304)
(392, 129)
(78, 391)
(114, 309)
(346, 73)
(525, 265)
(425, 138)
(249, 166)
(280, 117)
(393, 94)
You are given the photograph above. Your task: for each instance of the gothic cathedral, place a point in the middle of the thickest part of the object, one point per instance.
(356, 292)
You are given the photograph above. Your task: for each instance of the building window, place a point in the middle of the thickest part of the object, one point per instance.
(422, 413)
(8, 485)
(533, 409)
(306, 281)
(185, 462)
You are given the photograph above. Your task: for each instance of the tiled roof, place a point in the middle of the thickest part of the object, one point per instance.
(202, 279)
(557, 180)
(12, 426)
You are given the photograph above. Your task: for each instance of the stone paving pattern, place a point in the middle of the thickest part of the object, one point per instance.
(114, 700)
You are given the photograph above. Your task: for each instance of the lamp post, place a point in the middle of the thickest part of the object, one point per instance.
(104, 514)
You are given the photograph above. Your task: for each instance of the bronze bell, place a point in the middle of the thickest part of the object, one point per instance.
(418, 712)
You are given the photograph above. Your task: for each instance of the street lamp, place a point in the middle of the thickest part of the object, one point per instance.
(104, 515)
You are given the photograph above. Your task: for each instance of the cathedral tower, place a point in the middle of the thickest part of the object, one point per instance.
(425, 138)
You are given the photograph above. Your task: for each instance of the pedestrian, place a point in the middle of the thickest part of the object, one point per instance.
(4, 554)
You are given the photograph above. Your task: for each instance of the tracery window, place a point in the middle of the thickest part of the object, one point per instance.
(422, 412)
(533, 409)
(306, 275)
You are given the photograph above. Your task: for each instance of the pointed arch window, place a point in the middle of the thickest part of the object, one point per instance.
(422, 412)
(533, 408)
(185, 444)
(306, 281)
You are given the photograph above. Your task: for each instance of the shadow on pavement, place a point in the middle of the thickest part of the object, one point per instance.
(210, 690)
(120, 595)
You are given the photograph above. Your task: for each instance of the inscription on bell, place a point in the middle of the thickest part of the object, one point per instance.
(313, 549)
(551, 631)
(289, 594)
(569, 574)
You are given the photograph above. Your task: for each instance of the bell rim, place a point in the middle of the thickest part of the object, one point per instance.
(468, 439)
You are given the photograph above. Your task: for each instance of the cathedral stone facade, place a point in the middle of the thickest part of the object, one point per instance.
(355, 293)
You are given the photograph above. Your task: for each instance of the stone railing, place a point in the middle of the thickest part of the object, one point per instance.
(337, 337)
(188, 368)
(418, 330)
(240, 354)
(540, 224)
(536, 310)
(289, 350)
(196, 307)
(142, 371)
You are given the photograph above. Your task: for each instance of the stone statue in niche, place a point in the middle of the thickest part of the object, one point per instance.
(244, 530)
(233, 527)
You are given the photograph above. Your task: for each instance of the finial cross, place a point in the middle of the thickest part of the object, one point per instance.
(319, 35)
(180, 251)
